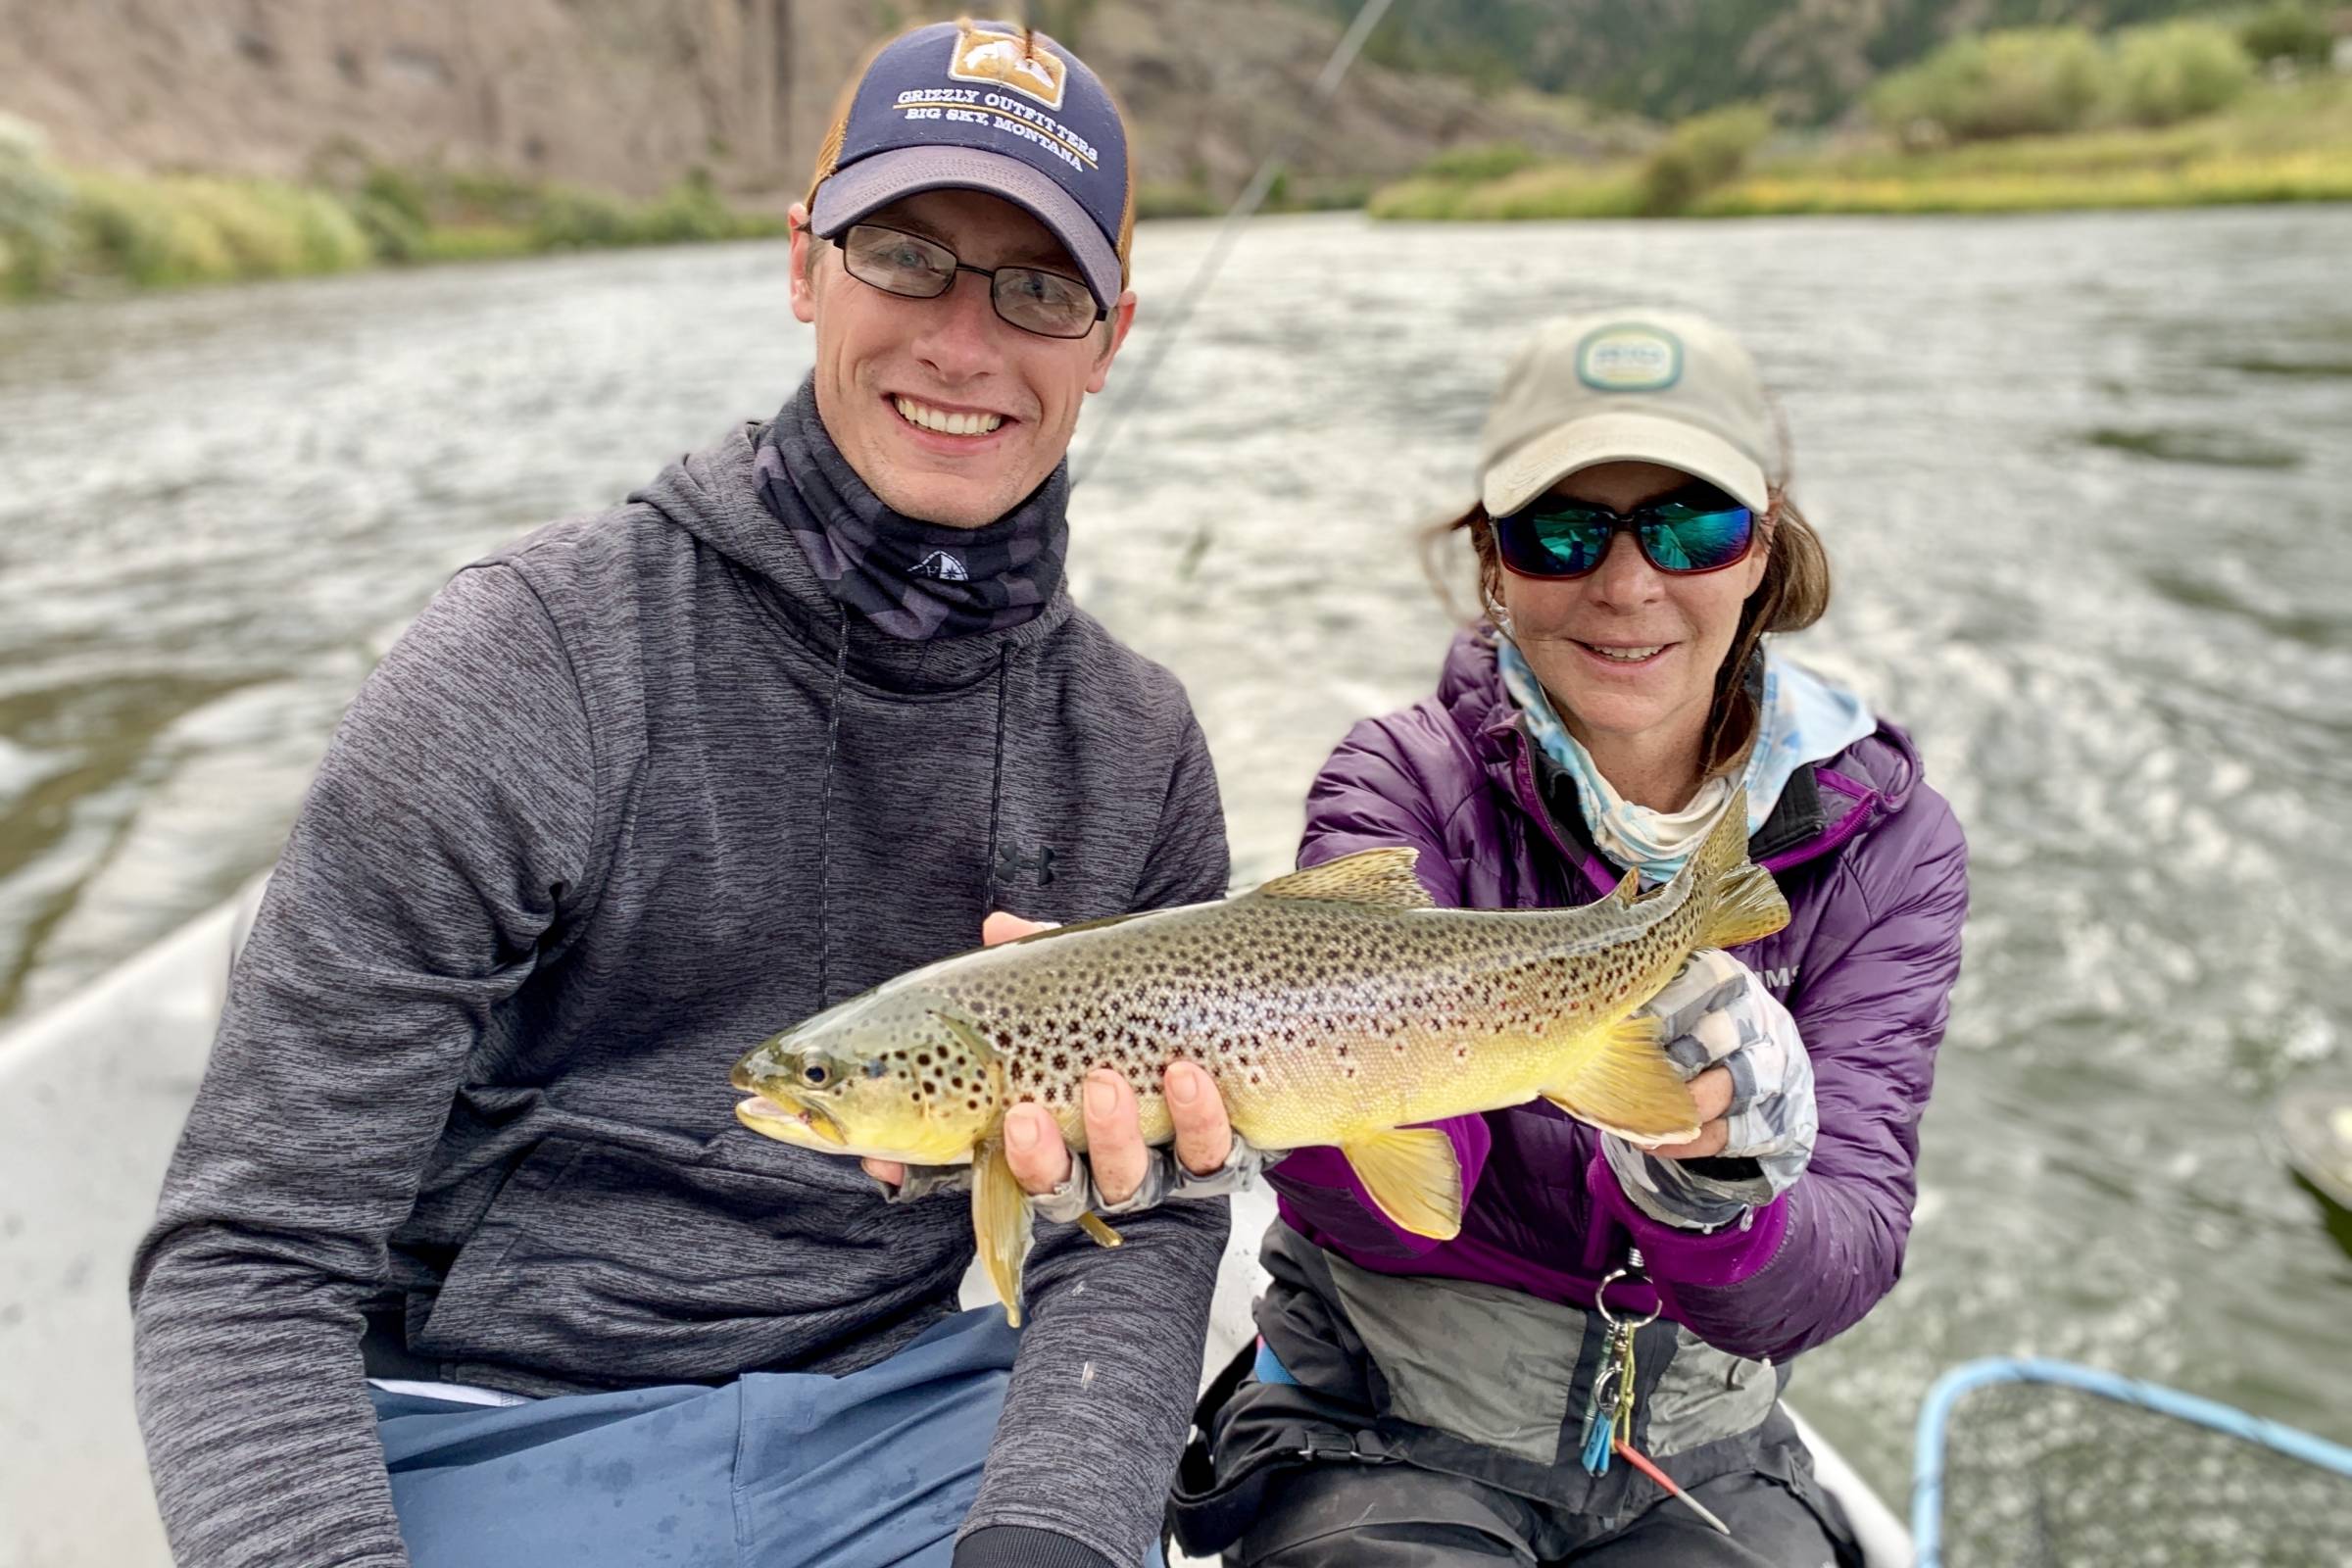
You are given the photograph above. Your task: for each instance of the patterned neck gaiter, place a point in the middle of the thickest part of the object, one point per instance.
(1804, 719)
(912, 581)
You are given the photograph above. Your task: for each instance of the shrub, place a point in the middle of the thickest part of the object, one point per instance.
(569, 217)
(1481, 160)
(2178, 70)
(1701, 153)
(2020, 82)
(141, 230)
(2286, 30)
(691, 211)
(34, 200)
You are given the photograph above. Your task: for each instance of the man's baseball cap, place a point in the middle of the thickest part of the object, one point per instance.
(1638, 385)
(988, 106)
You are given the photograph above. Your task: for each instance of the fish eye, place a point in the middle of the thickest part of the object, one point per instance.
(815, 1073)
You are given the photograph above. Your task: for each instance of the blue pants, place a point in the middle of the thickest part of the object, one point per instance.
(791, 1470)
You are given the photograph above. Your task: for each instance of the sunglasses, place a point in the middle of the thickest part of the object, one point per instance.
(1697, 529)
(916, 269)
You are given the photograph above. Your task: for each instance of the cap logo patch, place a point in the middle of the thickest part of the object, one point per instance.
(1630, 357)
(1003, 59)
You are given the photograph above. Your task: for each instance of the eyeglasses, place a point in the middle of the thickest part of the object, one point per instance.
(1697, 529)
(916, 269)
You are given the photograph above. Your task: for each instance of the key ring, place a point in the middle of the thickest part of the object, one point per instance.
(1600, 1304)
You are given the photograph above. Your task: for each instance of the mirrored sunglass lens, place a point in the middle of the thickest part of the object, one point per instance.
(1044, 302)
(899, 262)
(1688, 540)
(1563, 544)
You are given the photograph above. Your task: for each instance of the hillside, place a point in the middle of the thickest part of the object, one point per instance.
(631, 96)
(1668, 59)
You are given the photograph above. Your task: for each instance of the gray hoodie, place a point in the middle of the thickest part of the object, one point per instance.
(597, 825)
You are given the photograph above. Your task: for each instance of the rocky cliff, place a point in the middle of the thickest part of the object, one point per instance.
(630, 95)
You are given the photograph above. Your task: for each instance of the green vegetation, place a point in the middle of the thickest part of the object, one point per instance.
(2029, 81)
(1670, 60)
(64, 230)
(2174, 114)
(33, 203)
(2044, 80)
(1699, 155)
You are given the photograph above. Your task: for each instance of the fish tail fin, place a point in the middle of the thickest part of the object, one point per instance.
(1412, 1175)
(1743, 902)
(1626, 1085)
(1000, 1225)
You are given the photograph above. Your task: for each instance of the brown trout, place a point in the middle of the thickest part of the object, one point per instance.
(1332, 1006)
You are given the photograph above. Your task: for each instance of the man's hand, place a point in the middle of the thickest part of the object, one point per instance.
(1041, 1159)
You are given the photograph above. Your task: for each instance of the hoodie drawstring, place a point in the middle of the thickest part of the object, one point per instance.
(996, 787)
(824, 813)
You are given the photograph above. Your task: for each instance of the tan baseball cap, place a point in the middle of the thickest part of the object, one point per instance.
(1633, 385)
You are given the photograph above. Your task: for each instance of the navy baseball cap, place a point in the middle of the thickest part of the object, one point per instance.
(985, 105)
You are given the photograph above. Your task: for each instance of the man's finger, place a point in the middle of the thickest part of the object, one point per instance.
(1002, 927)
(1203, 1132)
(1034, 1148)
(889, 1172)
(1115, 1135)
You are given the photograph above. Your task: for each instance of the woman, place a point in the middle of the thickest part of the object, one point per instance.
(1635, 547)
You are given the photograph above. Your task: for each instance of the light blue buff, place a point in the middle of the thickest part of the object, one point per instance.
(1804, 719)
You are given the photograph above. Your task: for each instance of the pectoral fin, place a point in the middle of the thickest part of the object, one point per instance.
(1749, 905)
(1413, 1176)
(1000, 1225)
(1092, 1223)
(1625, 1084)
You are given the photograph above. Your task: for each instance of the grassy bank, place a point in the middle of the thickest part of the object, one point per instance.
(74, 231)
(2183, 112)
(2276, 144)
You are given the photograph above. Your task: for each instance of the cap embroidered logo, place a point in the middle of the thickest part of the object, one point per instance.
(992, 57)
(1630, 359)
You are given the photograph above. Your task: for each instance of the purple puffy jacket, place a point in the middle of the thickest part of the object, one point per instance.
(1876, 874)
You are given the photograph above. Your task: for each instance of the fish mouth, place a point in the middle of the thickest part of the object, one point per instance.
(790, 1119)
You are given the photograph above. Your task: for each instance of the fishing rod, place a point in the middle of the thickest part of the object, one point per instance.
(1335, 70)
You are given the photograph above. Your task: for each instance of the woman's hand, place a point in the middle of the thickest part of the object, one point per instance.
(1754, 1085)
(1119, 1172)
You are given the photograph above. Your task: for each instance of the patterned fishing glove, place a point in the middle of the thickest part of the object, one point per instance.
(922, 1181)
(1717, 1013)
(1164, 1177)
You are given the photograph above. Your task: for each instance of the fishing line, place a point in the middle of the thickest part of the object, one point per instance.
(1335, 70)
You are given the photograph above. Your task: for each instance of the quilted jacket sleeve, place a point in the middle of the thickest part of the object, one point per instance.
(1872, 1006)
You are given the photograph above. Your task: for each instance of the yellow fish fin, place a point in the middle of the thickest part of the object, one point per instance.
(1629, 888)
(1000, 1224)
(1747, 904)
(1743, 902)
(1092, 1223)
(1413, 1176)
(1382, 876)
(1625, 1085)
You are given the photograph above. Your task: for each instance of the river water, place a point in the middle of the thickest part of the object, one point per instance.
(2082, 479)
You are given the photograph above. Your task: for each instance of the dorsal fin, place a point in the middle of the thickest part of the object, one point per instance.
(1382, 876)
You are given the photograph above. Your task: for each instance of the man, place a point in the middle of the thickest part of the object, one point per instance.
(462, 1258)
